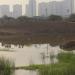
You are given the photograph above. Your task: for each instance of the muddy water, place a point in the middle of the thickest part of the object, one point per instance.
(29, 55)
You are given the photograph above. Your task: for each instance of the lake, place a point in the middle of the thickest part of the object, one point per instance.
(27, 55)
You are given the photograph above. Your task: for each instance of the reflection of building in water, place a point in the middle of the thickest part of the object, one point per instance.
(6, 45)
(62, 8)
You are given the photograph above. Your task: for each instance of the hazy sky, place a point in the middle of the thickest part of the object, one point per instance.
(21, 1)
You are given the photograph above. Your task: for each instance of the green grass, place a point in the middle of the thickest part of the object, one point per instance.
(58, 69)
(7, 50)
(65, 66)
(30, 67)
(6, 66)
(68, 57)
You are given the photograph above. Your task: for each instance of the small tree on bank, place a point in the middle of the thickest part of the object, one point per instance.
(55, 18)
(71, 18)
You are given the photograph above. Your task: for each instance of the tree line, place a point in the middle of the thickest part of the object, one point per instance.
(23, 20)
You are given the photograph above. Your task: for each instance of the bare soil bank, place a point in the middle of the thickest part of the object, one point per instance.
(43, 27)
(53, 32)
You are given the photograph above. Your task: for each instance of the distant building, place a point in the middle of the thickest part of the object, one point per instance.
(31, 8)
(17, 11)
(73, 5)
(63, 8)
(5, 10)
(42, 9)
(67, 7)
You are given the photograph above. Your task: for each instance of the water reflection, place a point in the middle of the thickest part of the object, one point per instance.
(36, 53)
(32, 54)
(23, 72)
(9, 45)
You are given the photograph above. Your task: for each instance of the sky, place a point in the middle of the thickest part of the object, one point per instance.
(11, 2)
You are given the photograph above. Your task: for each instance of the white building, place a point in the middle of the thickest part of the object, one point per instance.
(17, 11)
(63, 8)
(5, 10)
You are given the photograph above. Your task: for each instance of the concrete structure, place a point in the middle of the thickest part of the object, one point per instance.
(5, 10)
(17, 11)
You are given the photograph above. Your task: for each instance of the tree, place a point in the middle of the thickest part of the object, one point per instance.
(55, 18)
(71, 18)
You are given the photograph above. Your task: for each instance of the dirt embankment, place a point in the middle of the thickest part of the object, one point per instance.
(39, 32)
(40, 28)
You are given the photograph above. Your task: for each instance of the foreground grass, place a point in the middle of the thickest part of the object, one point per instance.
(31, 67)
(66, 66)
(58, 69)
(6, 66)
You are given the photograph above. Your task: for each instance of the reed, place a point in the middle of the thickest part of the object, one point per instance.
(6, 66)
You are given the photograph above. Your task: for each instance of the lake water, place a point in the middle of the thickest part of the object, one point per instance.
(32, 54)
(25, 72)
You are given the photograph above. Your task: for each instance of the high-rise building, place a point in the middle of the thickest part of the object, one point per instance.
(31, 8)
(5, 10)
(62, 8)
(72, 6)
(42, 9)
(17, 10)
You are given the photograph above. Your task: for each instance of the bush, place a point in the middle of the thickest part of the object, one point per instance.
(55, 18)
(71, 18)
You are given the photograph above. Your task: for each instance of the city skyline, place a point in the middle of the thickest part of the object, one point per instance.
(62, 8)
(22, 2)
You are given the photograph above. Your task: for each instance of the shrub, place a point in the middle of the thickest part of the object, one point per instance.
(55, 18)
(71, 18)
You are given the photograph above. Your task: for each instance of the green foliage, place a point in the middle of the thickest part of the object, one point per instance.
(6, 66)
(66, 66)
(68, 57)
(71, 18)
(55, 18)
(57, 69)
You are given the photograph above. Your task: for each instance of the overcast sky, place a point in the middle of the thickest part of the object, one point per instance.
(21, 1)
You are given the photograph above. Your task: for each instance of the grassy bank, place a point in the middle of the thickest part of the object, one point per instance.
(66, 66)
